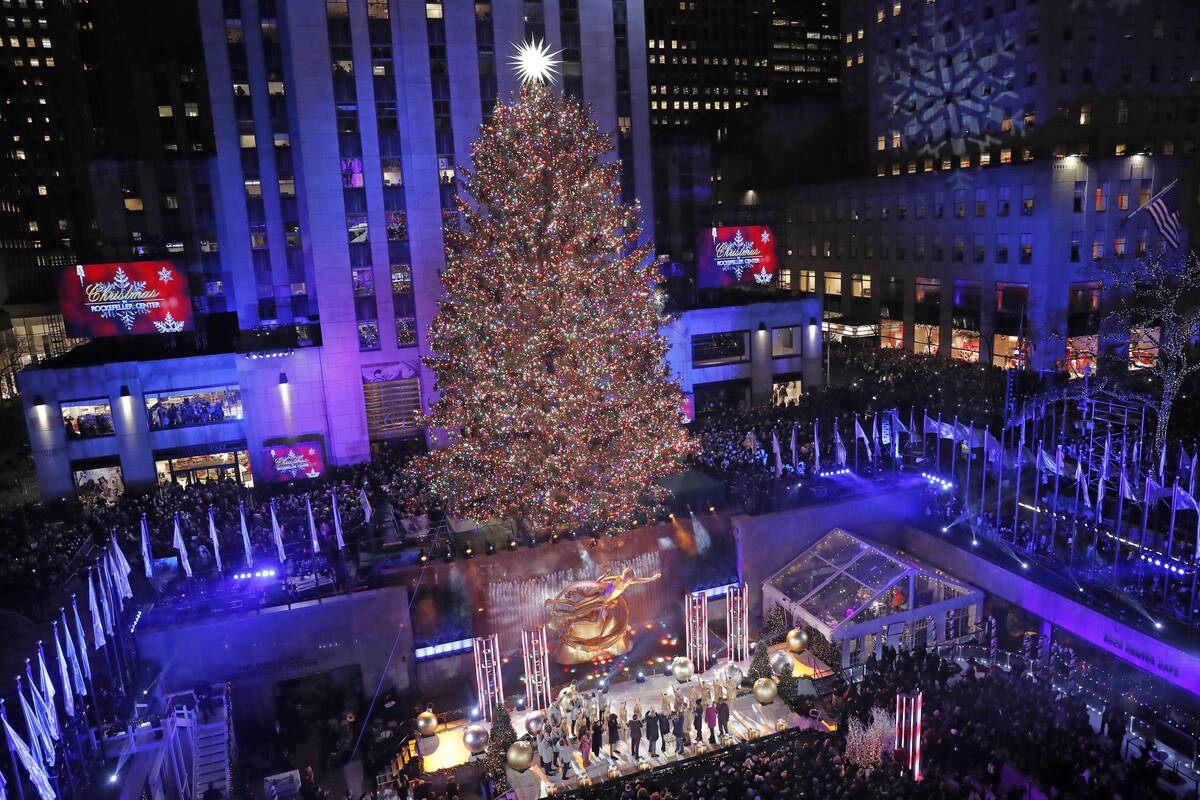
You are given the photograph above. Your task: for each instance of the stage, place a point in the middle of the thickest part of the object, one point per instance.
(747, 719)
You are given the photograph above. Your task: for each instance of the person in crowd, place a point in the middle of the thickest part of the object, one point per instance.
(723, 716)
(598, 737)
(652, 732)
(545, 749)
(710, 719)
(614, 735)
(585, 748)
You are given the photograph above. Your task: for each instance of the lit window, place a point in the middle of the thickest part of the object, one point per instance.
(166, 111)
(133, 204)
(1085, 114)
(191, 109)
(433, 10)
(42, 190)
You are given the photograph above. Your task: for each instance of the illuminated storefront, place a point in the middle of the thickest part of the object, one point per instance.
(98, 480)
(926, 338)
(1006, 351)
(1143, 348)
(891, 334)
(1081, 355)
(229, 462)
(964, 345)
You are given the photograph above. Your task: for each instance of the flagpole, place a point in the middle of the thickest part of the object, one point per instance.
(967, 485)
(983, 483)
(954, 448)
(114, 677)
(13, 754)
(1017, 490)
(87, 674)
(1144, 205)
(938, 442)
(856, 426)
(924, 433)
(1120, 517)
(1037, 500)
(1054, 509)
(1000, 478)
(1074, 526)
(118, 642)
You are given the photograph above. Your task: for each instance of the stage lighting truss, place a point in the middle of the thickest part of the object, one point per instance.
(696, 604)
(537, 667)
(487, 674)
(737, 615)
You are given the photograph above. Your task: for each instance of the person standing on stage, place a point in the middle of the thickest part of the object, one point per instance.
(652, 731)
(635, 736)
(723, 716)
(585, 748)
(677, 727)
(710, 718)
(614, 735)
(562, 751)
(598, 737)
(698, 720)
(545, 750)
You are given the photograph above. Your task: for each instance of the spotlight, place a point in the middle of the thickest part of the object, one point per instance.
(1158, 625)
(1024, 565)
(641, 676)
(112, 778)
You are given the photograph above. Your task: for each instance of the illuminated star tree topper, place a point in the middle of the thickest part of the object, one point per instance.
(535, 63)
(549, 353)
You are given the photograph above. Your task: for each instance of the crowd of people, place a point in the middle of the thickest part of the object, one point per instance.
(986, 733)
(44, 542)
(187, 411)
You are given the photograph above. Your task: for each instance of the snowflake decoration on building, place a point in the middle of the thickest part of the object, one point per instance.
(169, 324)
(765, 237)
(945, 90)
(762, 276)
(126, 312)
(312, 473)
(165, 275)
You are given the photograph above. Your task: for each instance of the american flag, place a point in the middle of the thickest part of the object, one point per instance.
(1167, 222)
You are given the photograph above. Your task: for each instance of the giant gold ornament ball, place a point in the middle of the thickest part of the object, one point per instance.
(427, 723)
(534, 722)
(520, 755)
(765, 690)
(683, 669)
(797, 639)
(475, 737)
(782, 662)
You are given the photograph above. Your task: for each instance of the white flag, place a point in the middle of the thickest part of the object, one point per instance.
(76, 670)
(1082, 481)
(839, 448)
(39, 733)
(147, 556)
(64, 675)
(212, 534)
(775, 450)
(98, 639)
(312, 527)
(337, 520)
(859, 433)
(37, 773)
(104, 590)
(84, 661)
(245, 536)
(122, 568)
(816, 446)
(1126, 489)
(47, 694)
(366, 504)
(277, 534)
(179, 545)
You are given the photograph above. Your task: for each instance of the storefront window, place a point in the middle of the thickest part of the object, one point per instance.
(1143, 347)
(87, 419)
(964, 345)
(720, 348)
(785, 342)
(1006, 352)
(925, 339)
(231, 466)
(183, 408)
(786, 389)
(98, 483)
(1081, 355)
(891, 334)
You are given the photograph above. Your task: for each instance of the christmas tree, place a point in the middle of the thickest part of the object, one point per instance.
(554, 394)
(760, 665)
(500, 738)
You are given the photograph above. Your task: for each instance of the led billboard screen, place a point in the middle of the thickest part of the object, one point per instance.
(124, 298)
(303, 458)
(735, 256)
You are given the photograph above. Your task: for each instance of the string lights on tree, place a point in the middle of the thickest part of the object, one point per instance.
(554, 394)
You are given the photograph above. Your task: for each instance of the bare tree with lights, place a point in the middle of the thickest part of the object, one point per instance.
(554, 394)
(1153, 303)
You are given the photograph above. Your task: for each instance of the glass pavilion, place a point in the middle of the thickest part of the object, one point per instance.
(861, 596)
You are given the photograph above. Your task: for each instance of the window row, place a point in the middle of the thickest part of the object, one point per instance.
(734, 347)
(174, 408)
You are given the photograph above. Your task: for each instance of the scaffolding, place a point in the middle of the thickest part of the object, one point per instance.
(737, 617)
(696, 605)
(488, 680)
(537, 667)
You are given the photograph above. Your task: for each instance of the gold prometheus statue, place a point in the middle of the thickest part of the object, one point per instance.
(591, 618)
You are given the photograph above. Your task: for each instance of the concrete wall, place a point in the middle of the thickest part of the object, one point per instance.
(767, 543)
(272, 645)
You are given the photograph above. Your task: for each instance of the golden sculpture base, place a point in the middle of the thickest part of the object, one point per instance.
(568, 654)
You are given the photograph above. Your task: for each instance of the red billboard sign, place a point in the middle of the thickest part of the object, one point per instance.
(299, 459)
(128, 297)
(734, 256)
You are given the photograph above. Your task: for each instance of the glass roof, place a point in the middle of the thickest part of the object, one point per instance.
(841, 580)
